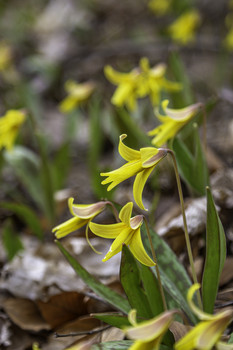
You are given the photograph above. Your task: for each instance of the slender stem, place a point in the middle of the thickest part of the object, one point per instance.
(156, 265)
(188, 244)
(204, 129)
(115, 212)
(75, 334)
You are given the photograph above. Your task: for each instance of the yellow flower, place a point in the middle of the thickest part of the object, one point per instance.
(183, 30)
(172, 122)
(148, 334)
(5, 56)
(82, 215)
(152, 81)
(228, 41)
(9, 127)
(77, 94)
(125, 232)
(139, 163)
(140, 82)
(208, 332)
(125, 93)
(159, 7)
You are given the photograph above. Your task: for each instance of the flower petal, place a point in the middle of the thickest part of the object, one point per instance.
(183, 114)
(123, 237)
(125, 213)
(151, 156)
(139, 184)
(138, 250)
(126, 152)
(88, 211)
(107, 231)
(69, 226)
(119, 175)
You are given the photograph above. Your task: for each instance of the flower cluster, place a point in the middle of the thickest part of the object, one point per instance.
(140, 82)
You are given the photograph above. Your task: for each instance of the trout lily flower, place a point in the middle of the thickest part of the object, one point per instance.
(125, 232)
(140, 82)
(125, 93)
(183, 30)
(140, 163)
(172, 122)
(148, 334)
(206, 334)
(82, 215)
(77, 94)
(9, 127)
(152, 81)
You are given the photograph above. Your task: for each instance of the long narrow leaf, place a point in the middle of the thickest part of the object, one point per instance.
(113, 298)
(131, 282)
(215, 255)
(113, 319)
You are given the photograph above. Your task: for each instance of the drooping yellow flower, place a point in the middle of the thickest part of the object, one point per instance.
(5, 56)
(172, 122)
(125, 93)
(159, 7)
(140, 82)
(82, 215)
(77, 94)
(9, 127)
(183, 29)
(125, 232)
(208, 332)
(139, 163)
(152, 81)
(148, 334)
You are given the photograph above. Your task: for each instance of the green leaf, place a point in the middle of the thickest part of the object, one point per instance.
(192, 167)
(120, 345)
(10, 240)
(113, 298)
(151, 287)
(215, 255)
(173, 275)
(131, 282)
(184, 97)
(60, 166)
(231, 339)
(114, 319)
(113, 345)
(26, 164)
(27, 215)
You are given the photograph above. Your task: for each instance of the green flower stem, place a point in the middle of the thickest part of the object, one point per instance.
(156, 265)
(204, 129)
(188, 244)
(115, 212)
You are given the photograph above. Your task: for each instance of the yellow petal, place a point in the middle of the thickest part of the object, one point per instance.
(123, 238)
(223, 346)
(138, 250)
(117, 77)
(69, 226)
(152, 329)
(125, 213)
(126, 152)
(183, 114)
(119, 175)
(200, 314)
(150, 156)
(139, 184)
(136, 222)
(87, 211)
(107, 231)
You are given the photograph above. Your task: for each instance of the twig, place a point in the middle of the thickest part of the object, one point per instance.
(76, 334)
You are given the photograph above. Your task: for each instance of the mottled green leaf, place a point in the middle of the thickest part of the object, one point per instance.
(131, 282)
(113, 298)
(215, 255)
(114, 319)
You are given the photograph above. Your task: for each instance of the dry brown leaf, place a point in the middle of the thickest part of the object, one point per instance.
(62, 308)
(227, 272)
(25, 314)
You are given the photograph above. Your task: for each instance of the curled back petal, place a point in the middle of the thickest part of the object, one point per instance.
(151, 329)
(122, 94)
(125, 213)
(126, 152)
(116, 77)
(138, 250)
(107, 231)
(136, 222)
(88, 211)
(139, 184)
(183, 114)
(200, 314)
